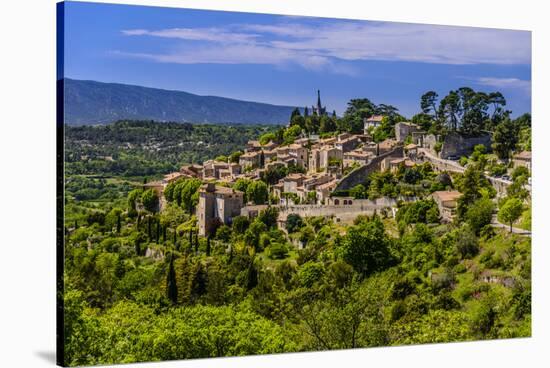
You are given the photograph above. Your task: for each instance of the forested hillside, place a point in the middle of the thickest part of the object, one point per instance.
(145, 148)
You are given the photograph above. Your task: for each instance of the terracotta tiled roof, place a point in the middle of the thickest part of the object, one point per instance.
(525, 155)
(447, 195)
(375, 118)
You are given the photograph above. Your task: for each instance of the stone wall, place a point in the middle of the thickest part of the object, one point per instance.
(429, 141)
(342, 213)
(458, 145)
(359, 175)
(441, 164)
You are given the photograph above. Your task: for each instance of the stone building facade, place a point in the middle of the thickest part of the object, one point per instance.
(405, 129)
(217, 205)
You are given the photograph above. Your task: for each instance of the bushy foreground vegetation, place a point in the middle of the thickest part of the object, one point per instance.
(141, 285)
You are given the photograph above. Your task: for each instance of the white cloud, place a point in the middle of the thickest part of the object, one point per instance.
(506, 83)
(412, 42)
(195, 34)
(334, 45)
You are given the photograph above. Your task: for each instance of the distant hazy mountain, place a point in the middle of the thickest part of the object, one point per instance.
(90, 102)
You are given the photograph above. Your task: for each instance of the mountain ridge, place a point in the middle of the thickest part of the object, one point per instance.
(94, 102)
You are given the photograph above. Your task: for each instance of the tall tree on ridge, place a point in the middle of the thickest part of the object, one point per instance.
(171, 286)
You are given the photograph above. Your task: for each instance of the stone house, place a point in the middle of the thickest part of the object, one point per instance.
(277, 189)
(292, 182)
(300, 153)
(373, 122)
(380, 148)
(269, 146)
(411, 150)
(253, 146)
(282, 151)
(396, 164)
(405, 129)
(270, 155)
(211, 168)
(446, 201)
(194, 171)
(250, 159)
(217, 205)
(323, 191)
(172, 177)
(347, 144)
(358, 156)
(327, 141)
(158, 186)
(326, 154)
(522, 159)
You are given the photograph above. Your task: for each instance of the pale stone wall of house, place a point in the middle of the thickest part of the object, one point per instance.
(359, 175)
(429, 141)
(402, 130)
(458, 145)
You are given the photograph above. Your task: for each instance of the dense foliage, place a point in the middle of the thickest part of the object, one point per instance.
(141, 285)
(146, 149)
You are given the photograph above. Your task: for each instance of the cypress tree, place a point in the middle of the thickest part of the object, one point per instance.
(252, 276)
(118, 224)
(164, 234)
(158, 230)
(208, 246)
(197, 242)
(171, 286)
(75, 224)
(138, 246)
(149, 228)
(191, 240)
(262, 159)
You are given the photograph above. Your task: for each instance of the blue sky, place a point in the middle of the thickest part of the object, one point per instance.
(285, 59)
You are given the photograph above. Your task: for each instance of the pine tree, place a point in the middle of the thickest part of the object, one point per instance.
(171, 286)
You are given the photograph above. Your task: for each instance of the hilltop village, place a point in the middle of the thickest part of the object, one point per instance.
(324, 175)
(329, 232)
